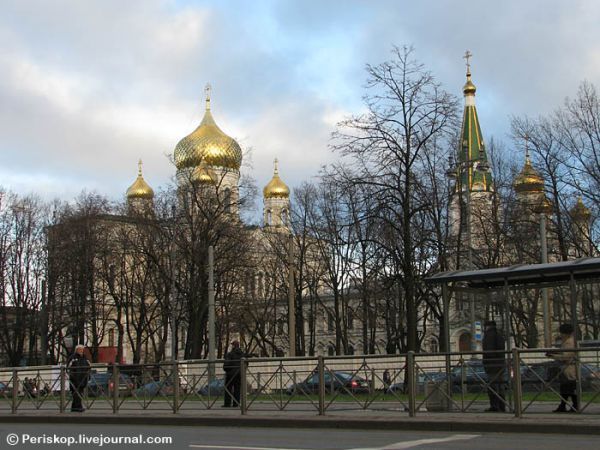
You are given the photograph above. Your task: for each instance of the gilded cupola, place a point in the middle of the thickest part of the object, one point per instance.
(469, 88)
(209, 145)
(203, 175)
(580, 212)
(276, 188)
(529, 179)
(139, 188)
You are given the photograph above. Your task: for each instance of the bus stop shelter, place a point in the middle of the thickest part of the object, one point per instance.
(522, 276)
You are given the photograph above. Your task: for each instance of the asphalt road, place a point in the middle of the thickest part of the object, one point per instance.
(231, 438)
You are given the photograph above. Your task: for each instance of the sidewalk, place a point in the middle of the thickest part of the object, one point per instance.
(347, 419)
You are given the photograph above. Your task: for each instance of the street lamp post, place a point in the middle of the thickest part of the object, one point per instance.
(172, 290)
(456, 171)
(211, 310)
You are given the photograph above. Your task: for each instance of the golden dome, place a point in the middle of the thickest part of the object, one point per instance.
(203, 175)
(208, 144)
(139, 188)
(529, 180)
(276, 188)
(580, 211)
(544, 206)
(469, 88)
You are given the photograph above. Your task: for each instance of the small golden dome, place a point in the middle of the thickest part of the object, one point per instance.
(276, 188)
(139, 188)
(580, 211)
(544, 206)
(529, 180)
(469, 88)
(203, 175)
(208, 144)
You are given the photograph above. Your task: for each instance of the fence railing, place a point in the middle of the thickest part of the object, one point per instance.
(518, 382)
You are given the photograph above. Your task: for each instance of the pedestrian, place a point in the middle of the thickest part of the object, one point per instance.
(79, 372)
(568, 373)
(494, 365)
(233, 381)
(387, 380)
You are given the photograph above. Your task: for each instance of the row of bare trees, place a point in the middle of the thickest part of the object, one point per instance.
(365, 235)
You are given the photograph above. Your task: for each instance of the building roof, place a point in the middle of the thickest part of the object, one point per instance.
(522, 274)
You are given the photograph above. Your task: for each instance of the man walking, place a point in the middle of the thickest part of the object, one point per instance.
(494, 365)
(79, 372)
(232, 366)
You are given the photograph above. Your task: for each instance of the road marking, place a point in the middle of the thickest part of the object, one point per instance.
(411, 444)
(237, 447)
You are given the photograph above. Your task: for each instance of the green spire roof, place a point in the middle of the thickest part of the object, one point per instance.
(471, 148)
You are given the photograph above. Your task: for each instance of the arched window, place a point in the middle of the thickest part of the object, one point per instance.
(269, 217)
(351, 349)
(227, 200)
(261, 285)
(433, 346)
(284, 216)
(330, 350)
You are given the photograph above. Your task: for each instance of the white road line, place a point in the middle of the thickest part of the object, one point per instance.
(411, 444)
(237, 447)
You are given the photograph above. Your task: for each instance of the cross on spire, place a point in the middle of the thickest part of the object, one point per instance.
(207, 91)
(276, 167)
(140, 167)
(467, 56)
(526, 137)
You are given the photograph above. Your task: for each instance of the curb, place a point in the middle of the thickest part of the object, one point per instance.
(331, 422)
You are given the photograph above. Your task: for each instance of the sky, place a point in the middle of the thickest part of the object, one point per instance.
(89, 87)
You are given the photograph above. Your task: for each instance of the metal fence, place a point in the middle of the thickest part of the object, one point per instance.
(528, 382)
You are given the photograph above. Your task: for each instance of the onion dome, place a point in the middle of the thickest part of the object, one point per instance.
(139, 188)
(203, 175)
(544, 206)
(276, 188)
(469, 88)
(580, 212)
(208, 144)
(529, 179)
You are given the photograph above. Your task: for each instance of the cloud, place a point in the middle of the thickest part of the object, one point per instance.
(90, 87)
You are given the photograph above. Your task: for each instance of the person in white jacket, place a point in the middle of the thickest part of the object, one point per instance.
(568, 374)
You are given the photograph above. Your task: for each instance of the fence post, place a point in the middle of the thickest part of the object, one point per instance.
(243, 386)
(63, 389)
(449, 381)
(15, 391)
(321, 370)
(410, 381)
(517, 388)
(115, 392)
(175, 375)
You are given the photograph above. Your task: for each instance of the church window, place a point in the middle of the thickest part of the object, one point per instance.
(111, 337)
(284, 217)
(227, 200)
(330, 322)
(330, 350)
(269, 217)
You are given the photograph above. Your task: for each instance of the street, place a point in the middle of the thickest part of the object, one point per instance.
(31, 436)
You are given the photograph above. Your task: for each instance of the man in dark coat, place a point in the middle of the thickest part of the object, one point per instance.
(494, 364)
(233, 382)
(79, 372)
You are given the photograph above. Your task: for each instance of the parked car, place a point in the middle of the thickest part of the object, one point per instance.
(3, 388)
(102, 384)
(475, 376)
(340, 381)
(216, 388)
(548, 372)
(422, 379)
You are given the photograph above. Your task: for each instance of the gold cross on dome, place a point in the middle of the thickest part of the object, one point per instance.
(207, 91)
(140, 168)
(467, 56)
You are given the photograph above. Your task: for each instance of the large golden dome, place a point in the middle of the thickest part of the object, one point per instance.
(276, 188)
(139, 188)
(208, 144)
(529, 180)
